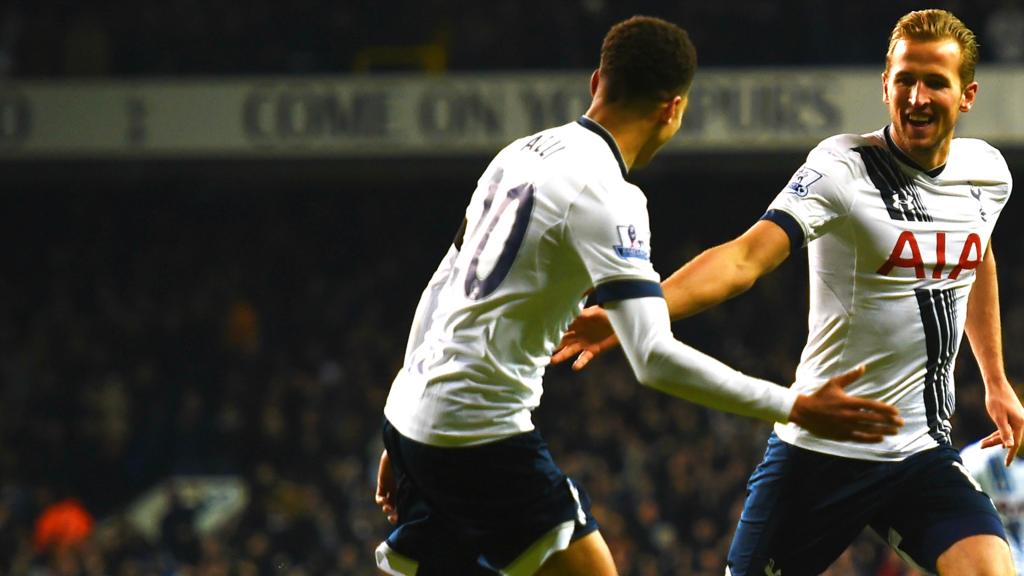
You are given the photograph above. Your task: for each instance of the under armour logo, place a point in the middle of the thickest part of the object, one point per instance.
(902, 201)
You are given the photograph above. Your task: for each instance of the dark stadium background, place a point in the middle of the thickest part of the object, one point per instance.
(243, 318)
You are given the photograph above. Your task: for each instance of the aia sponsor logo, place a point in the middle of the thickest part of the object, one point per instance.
(907, 254)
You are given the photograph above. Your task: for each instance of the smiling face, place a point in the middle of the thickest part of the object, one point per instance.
(922, 89)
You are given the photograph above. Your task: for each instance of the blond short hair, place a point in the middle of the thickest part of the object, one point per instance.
(935, 24)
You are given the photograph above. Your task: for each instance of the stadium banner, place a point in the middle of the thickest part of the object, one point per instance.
(739, 110)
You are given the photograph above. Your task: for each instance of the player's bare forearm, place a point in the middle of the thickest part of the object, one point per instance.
(726, 270)
(712, 277)
(983, 327)
(984, 331)
(709, 279)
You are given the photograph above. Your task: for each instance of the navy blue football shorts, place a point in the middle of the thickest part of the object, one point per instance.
(502, 507)
(804, 508)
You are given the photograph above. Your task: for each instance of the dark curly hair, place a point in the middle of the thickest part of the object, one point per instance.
(646, 59)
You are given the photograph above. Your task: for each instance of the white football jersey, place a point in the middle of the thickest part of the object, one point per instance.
(892, 252)
(552, 217)
(1006, 488)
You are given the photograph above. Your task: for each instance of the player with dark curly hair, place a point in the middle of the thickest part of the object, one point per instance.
(465, 476)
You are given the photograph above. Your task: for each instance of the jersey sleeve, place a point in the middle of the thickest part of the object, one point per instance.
(611, 234)
(666, 364)
(813, 198)
(1001, 192)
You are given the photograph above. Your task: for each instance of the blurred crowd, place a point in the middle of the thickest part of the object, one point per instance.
(163, 328)
(46, 38)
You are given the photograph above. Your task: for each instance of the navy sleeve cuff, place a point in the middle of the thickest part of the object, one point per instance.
(790, 226)
(626, 289)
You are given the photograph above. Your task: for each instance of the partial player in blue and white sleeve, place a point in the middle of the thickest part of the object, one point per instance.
(1005, 486)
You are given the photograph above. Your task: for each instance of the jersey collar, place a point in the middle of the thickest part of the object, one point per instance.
(603, 133)
(902, 156)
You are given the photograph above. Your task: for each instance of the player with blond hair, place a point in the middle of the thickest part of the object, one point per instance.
(897, 225)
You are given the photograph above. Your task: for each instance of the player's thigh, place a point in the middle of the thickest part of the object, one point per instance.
(981, 555)
(941, 511)
(505, 505)
(802, 510)
(588, 556)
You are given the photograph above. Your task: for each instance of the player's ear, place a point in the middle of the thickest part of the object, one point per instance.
(672, 111)
(967, 98)
(684, 101)
(595, 80)
(885, 88)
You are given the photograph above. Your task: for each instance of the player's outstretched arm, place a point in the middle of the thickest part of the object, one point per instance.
(726, 270)
(662, 362)
(984, 331)
(714, 276)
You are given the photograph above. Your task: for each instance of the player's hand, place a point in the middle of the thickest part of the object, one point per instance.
(386, 488)
(588, 336)
(832, 413)
(1008, 415)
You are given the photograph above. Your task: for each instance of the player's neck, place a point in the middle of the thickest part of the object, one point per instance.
(631, 130)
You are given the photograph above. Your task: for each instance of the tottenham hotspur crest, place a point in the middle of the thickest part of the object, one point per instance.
(629, 246)
(976, 192)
